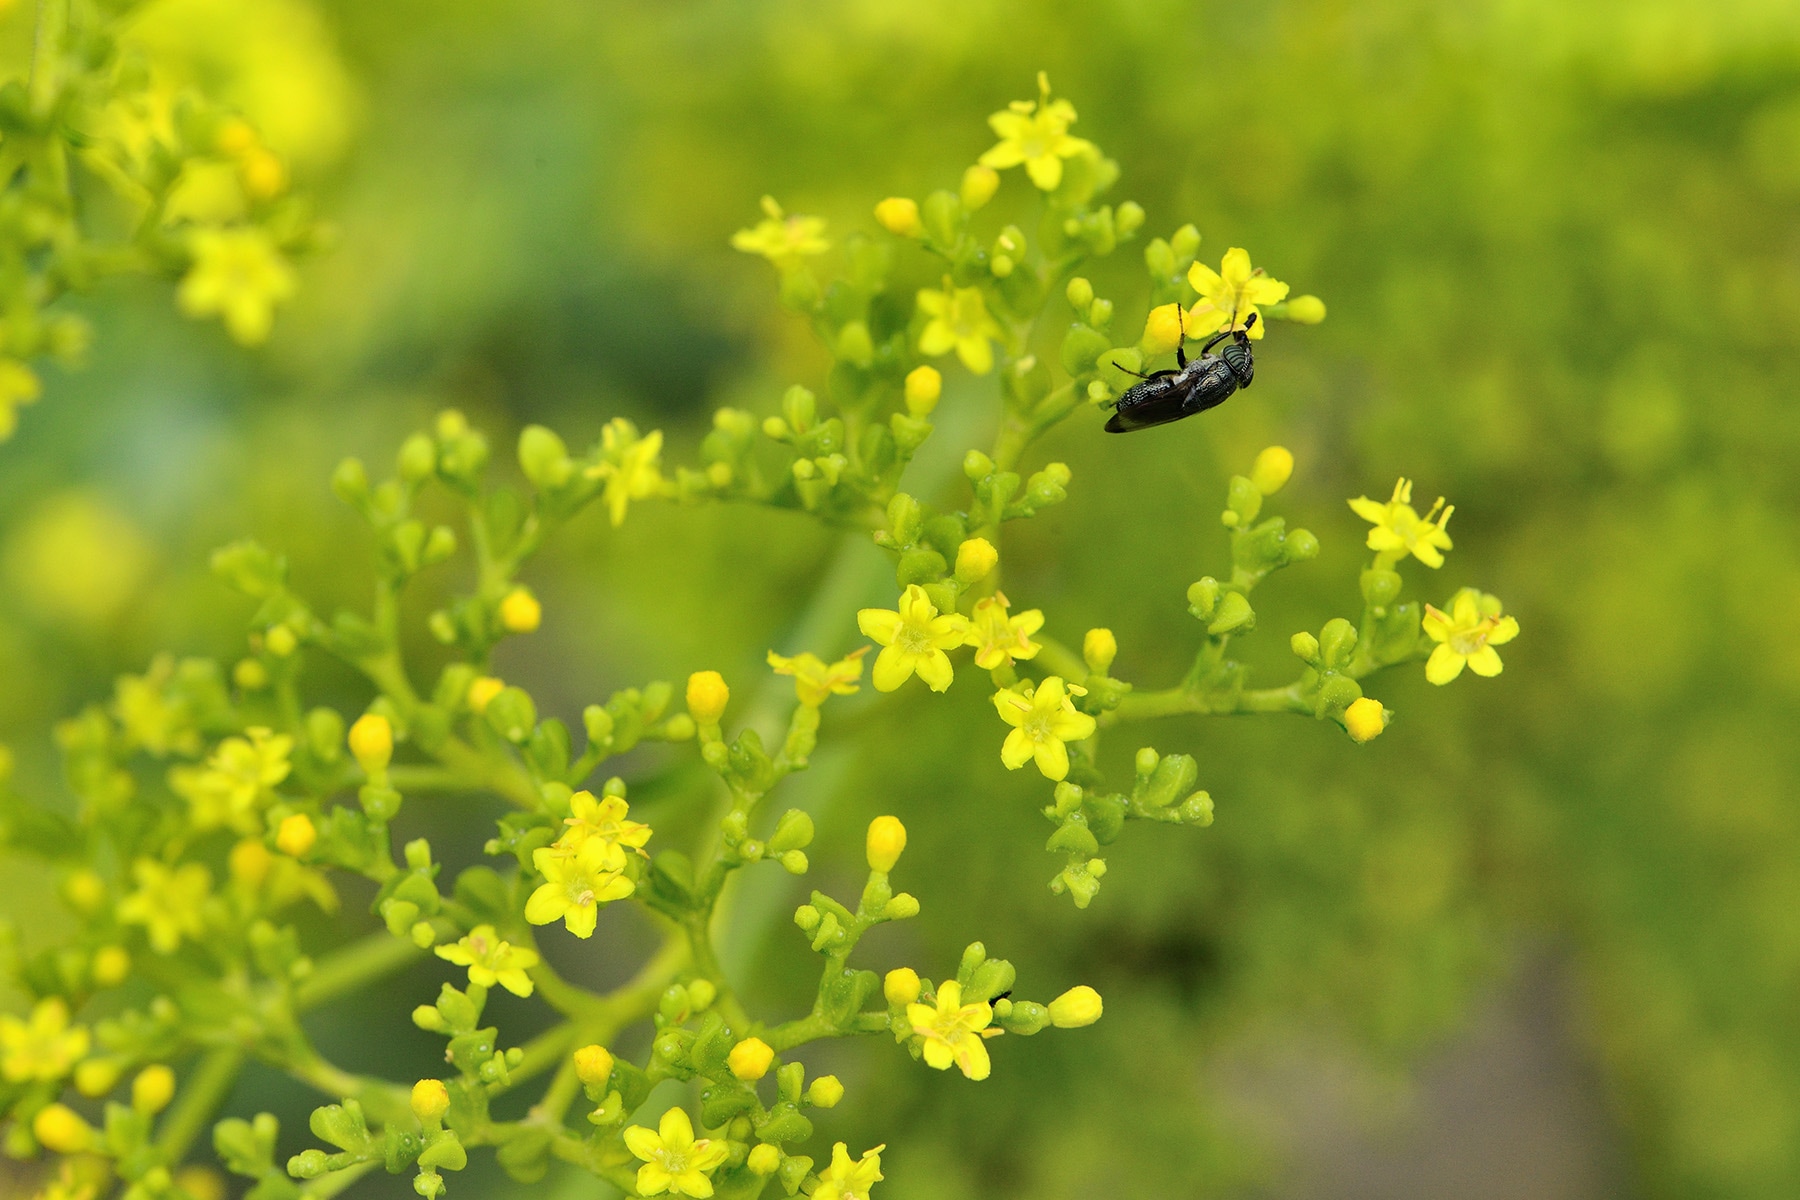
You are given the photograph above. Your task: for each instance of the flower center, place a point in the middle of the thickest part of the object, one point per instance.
(1468, 641)
(914, 639)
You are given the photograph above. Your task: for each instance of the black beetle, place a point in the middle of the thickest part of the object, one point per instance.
(1198, 384)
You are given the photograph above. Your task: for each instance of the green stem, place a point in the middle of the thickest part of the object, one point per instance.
(46, 52)
(353, 966)
(204, 1092)
(1140, 706)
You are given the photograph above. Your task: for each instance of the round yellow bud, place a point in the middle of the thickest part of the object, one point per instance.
(923, 387)
(1365, 719)
(281, 641)
(764, 1159)
(250, 675)
(1162, 330)
(264, 176)
(58, 1128)
(111, 965)
(153, 1088)
(898, 216)
(85, 891)
(249, 863)
(901, 986)
(750, 1059)
(430, 1099)
(1076, 1007)
(372, 742)
(201, 1183)
(96, 1076)
(236, 137)
(1098, 649)
(520, 611)
(975, 558)
(1272, 469)
(1308, 310)
(979, 184)
(296, 835)
(593, 1065)
(887, 838)
(707, 696)
(483, 691)
(825, 1092)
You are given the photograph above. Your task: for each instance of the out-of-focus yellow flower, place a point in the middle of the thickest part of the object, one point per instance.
(237, 780)
(923, 387)
(1044, 720)
(780, 238)
(577, 881)
(1000, 639)
(1036, 133)
(1230, 295)
(1400, 530)
(19, 386)
(296, 835)
(674, 1159)
(169, 904)
(372, 742)
(954, 1032)
(43, 1048)
(629, 466)
(847, 1178)
(520, 611)
(491, 960)
(913, 639)
(239, 276)
(1272, 469)
(59, 1128)
(482, 692)
(1467, 635)
(815, 679)
(899, 216)
(959, 321)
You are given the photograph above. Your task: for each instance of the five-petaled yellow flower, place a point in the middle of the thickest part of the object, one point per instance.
(780, 238)
(1400, 530)
(960, 322)
(236, 780)
(239, 275)
(913, 639)
(1036, 133)
(954, 1031)
(1467, 635)
(674, 1159)
(629, 466)
(847, 1178)
(491, 960)
(577, 881)
(998, 638)
(170, 905)
(1043, 722)
(815, 679)
(1230, 295)
(603, 820)
(45, 1047)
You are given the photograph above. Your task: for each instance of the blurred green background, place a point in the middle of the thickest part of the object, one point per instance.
(1560, 248)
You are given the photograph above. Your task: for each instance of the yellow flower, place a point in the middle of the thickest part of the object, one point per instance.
(603, 820)
(1000, 639)
(848, 1179)
(482, 692)
(674, 1159)
(629, 466)
(170, 905)
(577, 881)
(913, 639)
(296, 835)
(491, 960)
(960, 322)
(520, 611)
(1036, 133)
(1230, 295)
(1043, 721)
(814, 679)
(19, 386)
(236, 781)
(780, 238)
(60, 1129)
(239, 275)
(43, 1048)
(1467, 635)
(954, 1031)
(899, 216)
(1399, 530)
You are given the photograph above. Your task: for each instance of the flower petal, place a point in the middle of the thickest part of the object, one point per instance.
(1203, 279)
(652, 1180)
(976, 353)
(1504, 632)
(1234, 269)
(938, 1054)
(934, 668)
(1444, 665)
(972, 1057)
(1046, 171)
(1017, 750)
(893, 667)
(879, 624)
(1485, 661)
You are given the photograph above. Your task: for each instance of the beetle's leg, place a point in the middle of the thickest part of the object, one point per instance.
(1180, 353)
(1215, 340)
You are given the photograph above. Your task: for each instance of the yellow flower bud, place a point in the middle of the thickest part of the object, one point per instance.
(1076, 1007)
(975, 558)
(295, 835)
(281, 641)
(96, 1076)
(249, 863)
(520, 611)
(979, 184)
(593, 1065)
(152, 1090)
(707, 696)
(901, 986)
(430, 1099)
(923, 387)
(58, 1128)
(372, 742)
(1272, 469)
(1162, 330)
(1098, 649)
(764, 1159)
(483, 691)
(201, 1183)
(85, 891)
(1365, 719)
(750, 1059)
(111, 965)
(887, 838)
(250, 675)
(264, 176)
(898, 216)
(1308, 310)
(825, 1092)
